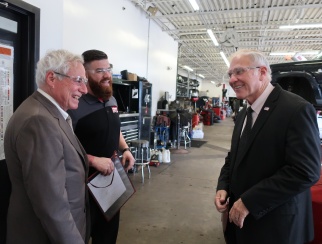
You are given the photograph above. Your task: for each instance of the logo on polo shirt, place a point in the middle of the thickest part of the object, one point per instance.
(114, 109)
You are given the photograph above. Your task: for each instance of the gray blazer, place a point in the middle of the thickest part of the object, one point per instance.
(47, 168)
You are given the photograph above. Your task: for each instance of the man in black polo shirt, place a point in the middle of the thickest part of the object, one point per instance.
(96, 123)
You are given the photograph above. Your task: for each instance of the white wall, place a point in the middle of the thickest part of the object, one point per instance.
(230, 91)
(118, 28)
(51, 23)
(213, 91)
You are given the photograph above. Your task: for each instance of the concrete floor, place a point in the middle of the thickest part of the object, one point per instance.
(176, 204)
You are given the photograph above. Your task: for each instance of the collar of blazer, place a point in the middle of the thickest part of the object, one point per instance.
(265, 112)
(62, 124)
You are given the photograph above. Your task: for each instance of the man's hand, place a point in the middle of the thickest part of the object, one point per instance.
(104, 165)
(221, 201)
(128, 157)
(238, 213)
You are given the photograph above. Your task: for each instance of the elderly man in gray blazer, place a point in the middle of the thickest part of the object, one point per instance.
(46, 163)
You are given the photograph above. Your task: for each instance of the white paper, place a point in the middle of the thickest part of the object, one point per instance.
(108, 195)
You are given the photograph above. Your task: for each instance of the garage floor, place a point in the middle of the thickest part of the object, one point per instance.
(176, 204)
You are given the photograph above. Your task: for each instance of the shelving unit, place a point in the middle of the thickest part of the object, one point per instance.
(193, 84)
(135, 97)
(182, 86)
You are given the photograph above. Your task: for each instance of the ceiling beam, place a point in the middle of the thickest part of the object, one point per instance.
(235, 11)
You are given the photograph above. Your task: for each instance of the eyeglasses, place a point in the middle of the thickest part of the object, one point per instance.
(101, 71)
(76, 79)
(240, 70)
(106, 185)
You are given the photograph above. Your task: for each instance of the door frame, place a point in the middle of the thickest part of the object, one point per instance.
(30, 32)
(24, 80)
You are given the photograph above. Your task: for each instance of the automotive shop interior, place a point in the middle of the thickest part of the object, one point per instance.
(160, 121)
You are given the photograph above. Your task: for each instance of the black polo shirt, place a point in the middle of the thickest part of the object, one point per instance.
(97, 125)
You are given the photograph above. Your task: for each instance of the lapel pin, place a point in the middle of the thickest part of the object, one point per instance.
(266, 108)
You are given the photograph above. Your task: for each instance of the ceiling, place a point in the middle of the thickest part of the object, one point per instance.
(236, 24)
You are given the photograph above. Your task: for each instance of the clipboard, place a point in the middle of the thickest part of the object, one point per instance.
(111, 192)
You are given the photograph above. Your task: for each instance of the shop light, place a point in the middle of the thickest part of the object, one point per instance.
(304, 26)
(282, 54)
(309, 52)
(187, 68)
(313, 52)
(224, 58)
(212, 36)
(194, 5)
(200, 75)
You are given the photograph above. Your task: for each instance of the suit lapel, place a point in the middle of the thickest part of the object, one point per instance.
(70, 135)
(236, 133)
(264, 114)
(63, 125)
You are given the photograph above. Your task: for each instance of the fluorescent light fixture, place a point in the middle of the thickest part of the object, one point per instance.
(194, 4)
(212, 36)
(213, 82)
(187, 68)
(224, 58)
(313, 52)
(200, 75)
(282, 54)
(304, 26)
(309, 52)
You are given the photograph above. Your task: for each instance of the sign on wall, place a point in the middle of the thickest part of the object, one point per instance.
(6, 91)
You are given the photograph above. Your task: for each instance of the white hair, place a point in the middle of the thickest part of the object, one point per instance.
(57, 60)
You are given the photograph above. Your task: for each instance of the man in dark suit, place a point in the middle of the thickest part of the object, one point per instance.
(236, 105)
(46, 163)
(264, 185)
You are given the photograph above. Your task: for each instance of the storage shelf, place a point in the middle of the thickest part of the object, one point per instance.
(184, 85)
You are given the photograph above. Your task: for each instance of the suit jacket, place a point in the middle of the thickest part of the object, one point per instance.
(47, 168)
(274, 174)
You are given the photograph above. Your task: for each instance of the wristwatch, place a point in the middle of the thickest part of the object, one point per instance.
(126, 149)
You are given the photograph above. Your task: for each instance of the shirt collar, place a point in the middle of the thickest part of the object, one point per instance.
(50, 98)
(259, 103)
(90, 99)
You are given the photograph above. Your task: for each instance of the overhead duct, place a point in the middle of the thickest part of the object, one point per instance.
(141, 3)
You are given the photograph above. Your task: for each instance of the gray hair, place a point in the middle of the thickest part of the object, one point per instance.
(57, 60)
(257, 57)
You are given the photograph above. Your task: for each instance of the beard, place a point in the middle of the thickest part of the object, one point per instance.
(99, 90)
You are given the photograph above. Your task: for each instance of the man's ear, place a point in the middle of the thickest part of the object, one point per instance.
(50, 78)
(263, 71)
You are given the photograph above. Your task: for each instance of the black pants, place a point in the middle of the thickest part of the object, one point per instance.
(230, 233)
(103, 231)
